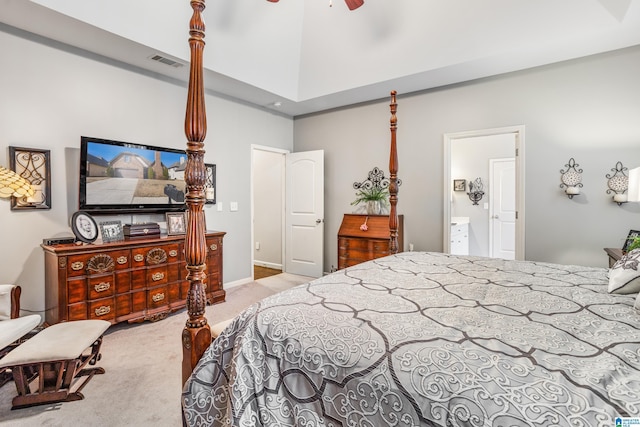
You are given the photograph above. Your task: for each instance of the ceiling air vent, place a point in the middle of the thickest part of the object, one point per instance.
(166, 61)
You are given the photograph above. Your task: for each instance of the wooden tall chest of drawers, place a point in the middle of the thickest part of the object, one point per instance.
(132, 280)
(356, 245)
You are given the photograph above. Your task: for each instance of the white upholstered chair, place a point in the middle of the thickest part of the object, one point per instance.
(12, 326)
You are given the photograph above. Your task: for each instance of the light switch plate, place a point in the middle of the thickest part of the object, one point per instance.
(219, 204)
(233, 206)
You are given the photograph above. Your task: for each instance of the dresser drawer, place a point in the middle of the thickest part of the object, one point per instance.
(157, 276)
(101, 286)
(355, 244)
(89, 264)
(77, 265)
(173, 253)
(104, 309)
(157, 297)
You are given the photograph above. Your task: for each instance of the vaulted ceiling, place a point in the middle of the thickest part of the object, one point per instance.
(302, 56)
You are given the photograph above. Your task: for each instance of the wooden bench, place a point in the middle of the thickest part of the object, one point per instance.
(56, 356)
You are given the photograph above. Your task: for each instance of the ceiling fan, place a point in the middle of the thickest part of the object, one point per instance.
(351, 4)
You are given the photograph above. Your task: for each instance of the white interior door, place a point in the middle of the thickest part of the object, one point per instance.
(304, 207)
(502, 224)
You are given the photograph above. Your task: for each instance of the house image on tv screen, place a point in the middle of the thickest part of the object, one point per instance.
(118, 175)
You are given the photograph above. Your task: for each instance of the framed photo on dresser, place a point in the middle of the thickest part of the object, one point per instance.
(176, 223)
(84, 227)
(111, 231)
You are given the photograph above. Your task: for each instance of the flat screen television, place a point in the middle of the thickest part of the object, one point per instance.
(118, 176)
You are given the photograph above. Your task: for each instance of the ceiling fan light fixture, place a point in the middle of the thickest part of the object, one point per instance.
(351, 4)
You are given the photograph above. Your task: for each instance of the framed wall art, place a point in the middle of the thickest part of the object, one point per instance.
(111, 231)
(459, 184)
(210, 186)
(34, 166)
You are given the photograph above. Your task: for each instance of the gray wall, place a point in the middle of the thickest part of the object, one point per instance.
(51, 95)
(587, 109)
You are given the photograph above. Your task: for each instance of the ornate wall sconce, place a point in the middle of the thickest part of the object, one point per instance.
(571, 178)
(618, 183)
(476, 190)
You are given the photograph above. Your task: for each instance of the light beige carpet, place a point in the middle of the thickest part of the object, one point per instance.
(143, 362)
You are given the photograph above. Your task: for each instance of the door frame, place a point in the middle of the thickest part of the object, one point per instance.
(256, 147)
(448, 138)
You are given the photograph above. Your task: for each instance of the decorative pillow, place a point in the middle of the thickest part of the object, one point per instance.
(624, 276)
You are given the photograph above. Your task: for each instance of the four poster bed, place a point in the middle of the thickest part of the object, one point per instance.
(414, 338)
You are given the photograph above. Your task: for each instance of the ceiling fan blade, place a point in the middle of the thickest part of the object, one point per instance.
(352, 4)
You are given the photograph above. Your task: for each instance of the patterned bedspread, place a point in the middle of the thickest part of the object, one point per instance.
(427, 339)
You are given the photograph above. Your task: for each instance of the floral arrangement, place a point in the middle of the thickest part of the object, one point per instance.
(373, 194)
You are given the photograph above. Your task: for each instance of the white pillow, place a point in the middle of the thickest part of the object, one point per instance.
(624, 276)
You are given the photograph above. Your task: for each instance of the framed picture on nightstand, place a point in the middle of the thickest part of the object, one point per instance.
(632, 235)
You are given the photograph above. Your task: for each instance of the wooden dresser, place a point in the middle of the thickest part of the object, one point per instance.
(356, 246)
(132, 280)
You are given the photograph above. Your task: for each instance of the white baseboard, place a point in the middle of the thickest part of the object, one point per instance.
(267, 264)
(236, 283)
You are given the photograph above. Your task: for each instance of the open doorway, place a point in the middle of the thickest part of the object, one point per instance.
(493, 225)
(267, 203)
(287, 210)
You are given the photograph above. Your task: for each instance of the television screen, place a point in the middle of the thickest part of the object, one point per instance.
(118, 176)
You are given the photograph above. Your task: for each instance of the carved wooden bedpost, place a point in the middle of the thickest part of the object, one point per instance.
(196, 335)
(393, 178)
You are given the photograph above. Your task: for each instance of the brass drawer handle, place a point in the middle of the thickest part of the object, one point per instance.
(157, 276)
(102, 286)
(78, 265)
(158, 297)
(213, 247)
(102, 310)
(138, 257)
(173, 253)
(122, 260)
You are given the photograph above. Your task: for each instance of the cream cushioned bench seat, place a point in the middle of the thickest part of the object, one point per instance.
(55, 355)
(217, 329)
(14, 329)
